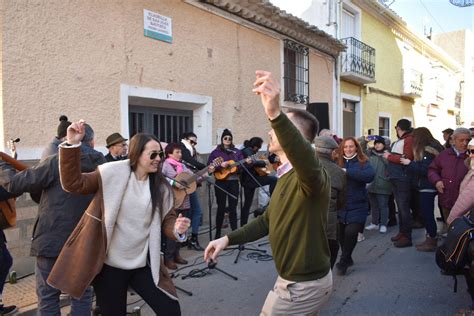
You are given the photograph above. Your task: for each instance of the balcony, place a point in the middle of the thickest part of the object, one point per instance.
(358, 62)
(457, 100)
(412, 83)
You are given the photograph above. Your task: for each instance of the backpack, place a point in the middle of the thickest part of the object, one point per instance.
(452, 256)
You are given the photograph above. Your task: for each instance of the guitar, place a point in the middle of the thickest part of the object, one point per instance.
(7, 208)
(231, 168)
(189, 179)
(264, 171)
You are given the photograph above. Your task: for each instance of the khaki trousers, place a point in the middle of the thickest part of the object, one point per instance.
(297, 298)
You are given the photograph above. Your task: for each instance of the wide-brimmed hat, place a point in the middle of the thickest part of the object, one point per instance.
(113, 139)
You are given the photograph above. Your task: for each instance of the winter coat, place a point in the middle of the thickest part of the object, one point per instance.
(75, 268)
(450, 169)
(191, 161)
(110, 158)
(245, 178)
(58, 211)
(465, 201)
(401, 148)
(381, 184)
(230, 154)
(419, 169)
(51, 148)
(338, 193)
(357, 203)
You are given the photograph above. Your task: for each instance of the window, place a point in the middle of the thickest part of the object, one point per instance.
(296, 74)
(166, 124)
(384, 126)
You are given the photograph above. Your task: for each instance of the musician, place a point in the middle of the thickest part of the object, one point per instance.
(250, 177)
(227, 151)
(189, 158)
(173, 166)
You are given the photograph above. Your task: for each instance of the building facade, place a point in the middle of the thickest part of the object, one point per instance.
(162, 67)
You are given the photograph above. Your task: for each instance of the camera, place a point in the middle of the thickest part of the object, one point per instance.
(15, 140)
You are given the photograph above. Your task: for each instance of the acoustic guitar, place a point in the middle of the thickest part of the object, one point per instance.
(7, 208)
(189, 179)
(231, 168)
(264, 171)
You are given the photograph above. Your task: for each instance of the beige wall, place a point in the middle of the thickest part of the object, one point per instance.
(71, 57)
(321, 79)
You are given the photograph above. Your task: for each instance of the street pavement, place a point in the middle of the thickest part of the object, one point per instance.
(383, 281)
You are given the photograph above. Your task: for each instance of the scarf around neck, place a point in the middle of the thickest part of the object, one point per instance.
(349, 158)
(175, 163)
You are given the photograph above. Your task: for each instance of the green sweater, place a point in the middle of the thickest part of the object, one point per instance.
(297, 214)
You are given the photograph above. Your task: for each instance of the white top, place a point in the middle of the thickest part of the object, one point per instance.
(129, 243)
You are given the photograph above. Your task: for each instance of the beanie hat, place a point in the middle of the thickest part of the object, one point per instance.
(226, 132)
(63, 125)
(325, 144)
(381, 140)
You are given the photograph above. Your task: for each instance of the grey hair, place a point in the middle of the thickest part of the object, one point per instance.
(461, 130)
(325, 132)
(89, 134)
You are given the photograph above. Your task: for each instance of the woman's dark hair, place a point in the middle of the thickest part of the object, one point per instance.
(422, 137)
(171, 147)
(360, 153)
(253, 142)
(158, 184)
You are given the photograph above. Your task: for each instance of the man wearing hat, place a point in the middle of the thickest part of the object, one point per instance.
(325, 146)
(117, 146)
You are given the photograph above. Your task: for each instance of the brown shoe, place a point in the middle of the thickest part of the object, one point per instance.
(429, 245)
(180, 260)
(396, 237)
(171, 265)
(403, 242)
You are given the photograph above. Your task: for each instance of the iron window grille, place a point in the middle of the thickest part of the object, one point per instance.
(166, 124)
(359, 58)
(296, 72)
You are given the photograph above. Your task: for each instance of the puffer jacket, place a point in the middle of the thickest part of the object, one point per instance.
(59, 211)
(419, 169)
(357, 203)
(451, 169)
(381, 184)
(338, 193)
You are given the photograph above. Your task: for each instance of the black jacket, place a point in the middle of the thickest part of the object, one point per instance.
(189, 160)
(110, 158)
(59, 211)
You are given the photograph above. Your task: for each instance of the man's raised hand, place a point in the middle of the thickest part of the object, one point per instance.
(76, 132)
(269, 90)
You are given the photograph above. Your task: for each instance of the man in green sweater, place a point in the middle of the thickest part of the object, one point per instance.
(297, 214)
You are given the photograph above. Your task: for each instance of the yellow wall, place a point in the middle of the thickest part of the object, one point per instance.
(388, 75)
(350, 88)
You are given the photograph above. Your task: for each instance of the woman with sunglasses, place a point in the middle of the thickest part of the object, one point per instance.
(227, 151)
(134, 203)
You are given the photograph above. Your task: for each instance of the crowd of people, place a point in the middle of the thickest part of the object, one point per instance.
(140, 199)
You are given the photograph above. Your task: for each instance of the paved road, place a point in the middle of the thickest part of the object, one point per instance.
(384, 281)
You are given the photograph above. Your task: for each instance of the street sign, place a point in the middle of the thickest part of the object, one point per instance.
(157, 26)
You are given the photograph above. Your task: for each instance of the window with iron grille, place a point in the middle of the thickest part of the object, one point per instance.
(296, 72)
(166, 124)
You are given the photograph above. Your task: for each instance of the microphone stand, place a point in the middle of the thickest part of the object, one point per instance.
(242, 247)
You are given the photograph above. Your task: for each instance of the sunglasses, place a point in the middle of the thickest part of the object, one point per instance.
(193, 142)
(155, 154)
(227, 138)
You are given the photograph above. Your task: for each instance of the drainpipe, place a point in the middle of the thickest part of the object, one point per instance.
(337, 112)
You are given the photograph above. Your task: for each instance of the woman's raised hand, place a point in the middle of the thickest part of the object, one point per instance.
(76, 132)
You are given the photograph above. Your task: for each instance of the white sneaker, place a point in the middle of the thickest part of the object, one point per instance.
(360, 237)
(372, 227)
(383, 229)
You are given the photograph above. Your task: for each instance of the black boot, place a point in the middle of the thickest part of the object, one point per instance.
(193, 243)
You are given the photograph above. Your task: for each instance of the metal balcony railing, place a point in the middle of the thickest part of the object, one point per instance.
(359, 58)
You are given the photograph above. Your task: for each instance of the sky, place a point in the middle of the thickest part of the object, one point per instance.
(441, 15)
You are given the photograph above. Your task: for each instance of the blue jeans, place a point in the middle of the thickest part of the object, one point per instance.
(48, 297)
(196, 212)
(427, 211)
(379, 208)
(6, 262)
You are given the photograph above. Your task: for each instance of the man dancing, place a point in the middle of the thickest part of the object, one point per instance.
(297, 213)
